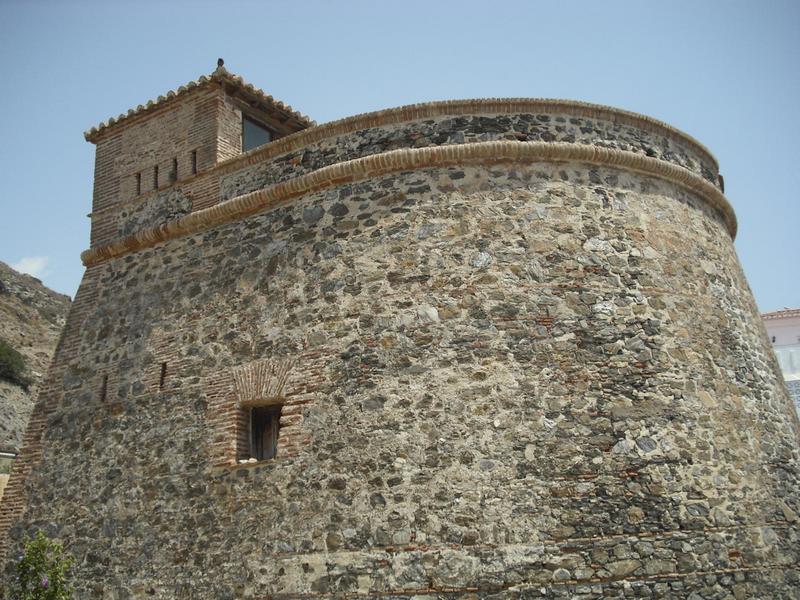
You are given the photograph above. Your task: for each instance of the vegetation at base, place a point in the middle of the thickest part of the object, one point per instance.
(12, 366)
(43, 571)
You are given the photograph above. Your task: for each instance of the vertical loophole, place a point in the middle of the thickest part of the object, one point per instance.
(155, 177)
(174, 173)
(163, 377)
(194, 162)
(138, 184)
(104, 388)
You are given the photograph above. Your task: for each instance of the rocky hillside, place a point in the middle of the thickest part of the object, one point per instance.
(31, 319)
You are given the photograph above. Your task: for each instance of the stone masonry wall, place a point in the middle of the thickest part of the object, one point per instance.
(151, 212)
(545, 380)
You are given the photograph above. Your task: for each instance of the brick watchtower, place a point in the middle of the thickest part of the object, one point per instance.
(164, 148)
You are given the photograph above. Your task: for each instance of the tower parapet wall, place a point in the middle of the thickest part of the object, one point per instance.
(415, 126)
(444, 130)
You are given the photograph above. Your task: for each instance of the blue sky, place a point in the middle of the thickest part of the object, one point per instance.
(725, 72)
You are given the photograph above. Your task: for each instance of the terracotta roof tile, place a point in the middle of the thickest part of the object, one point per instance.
(220, 75)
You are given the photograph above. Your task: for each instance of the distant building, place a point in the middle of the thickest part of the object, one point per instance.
(783, 328)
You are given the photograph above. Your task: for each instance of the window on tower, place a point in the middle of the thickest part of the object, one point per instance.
(254, 134)
(264, 426)
(259, 400)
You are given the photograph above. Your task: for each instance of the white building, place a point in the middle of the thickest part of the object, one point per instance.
(783, 328)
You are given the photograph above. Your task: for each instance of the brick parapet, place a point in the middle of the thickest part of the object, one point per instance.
(175, 148)
(144, 159)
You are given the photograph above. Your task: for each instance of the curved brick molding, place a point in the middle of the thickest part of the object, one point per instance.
(118, 211)
(261, 380)
(445, 123)
(398, 160)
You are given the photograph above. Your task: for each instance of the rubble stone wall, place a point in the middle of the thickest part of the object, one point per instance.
(506, 380)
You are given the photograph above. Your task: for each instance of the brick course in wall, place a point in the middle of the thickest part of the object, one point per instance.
(508, 369)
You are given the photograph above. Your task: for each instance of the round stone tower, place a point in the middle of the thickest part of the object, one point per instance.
(485, 349)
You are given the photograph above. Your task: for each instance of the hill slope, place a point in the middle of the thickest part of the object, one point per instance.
(31, 319)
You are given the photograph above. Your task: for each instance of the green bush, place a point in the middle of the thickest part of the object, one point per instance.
(12, 366)
(43, 571)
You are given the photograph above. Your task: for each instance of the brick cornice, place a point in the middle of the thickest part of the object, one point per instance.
(406, 159)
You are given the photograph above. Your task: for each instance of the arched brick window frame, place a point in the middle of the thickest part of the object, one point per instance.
(260, 388)
(293, 383)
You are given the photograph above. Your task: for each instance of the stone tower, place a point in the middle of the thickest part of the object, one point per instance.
(484, 348)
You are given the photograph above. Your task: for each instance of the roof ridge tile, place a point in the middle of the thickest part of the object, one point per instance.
(221, 75)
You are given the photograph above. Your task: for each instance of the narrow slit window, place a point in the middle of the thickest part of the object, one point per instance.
(104, 389)
(163, 377)
(174, 173)
(138, 184)
(194, 162)
(155, 177)
(264, 426)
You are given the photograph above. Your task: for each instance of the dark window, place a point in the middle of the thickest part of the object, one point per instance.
(104, 389)
(155, 177)
(163, 377)
(264, 425)
(254, 134)
(174, 174)
(194, 162)
(138, 184)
